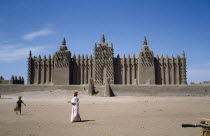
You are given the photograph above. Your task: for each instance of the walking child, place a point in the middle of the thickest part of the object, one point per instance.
(19, 104)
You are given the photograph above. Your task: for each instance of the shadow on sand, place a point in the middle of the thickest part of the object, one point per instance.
(25, 114)
(5, 98)
(86, 120)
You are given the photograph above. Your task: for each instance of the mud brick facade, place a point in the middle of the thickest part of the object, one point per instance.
(65, 69)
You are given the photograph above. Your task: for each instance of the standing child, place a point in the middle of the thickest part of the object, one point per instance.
(19, 104)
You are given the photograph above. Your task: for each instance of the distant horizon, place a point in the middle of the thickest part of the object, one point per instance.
(170, 27)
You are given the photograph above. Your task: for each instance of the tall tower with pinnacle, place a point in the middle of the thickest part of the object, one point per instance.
(30, 68)
(103, 67)
(146, 70)
(62, 65)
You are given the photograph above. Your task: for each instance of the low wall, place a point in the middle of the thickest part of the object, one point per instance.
(119, 90)
(4, 81)
(15, 88)
(161, 90)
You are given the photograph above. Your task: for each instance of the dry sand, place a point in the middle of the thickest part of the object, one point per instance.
(48, 114)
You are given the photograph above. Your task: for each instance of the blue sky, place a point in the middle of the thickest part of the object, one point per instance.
(171, 26)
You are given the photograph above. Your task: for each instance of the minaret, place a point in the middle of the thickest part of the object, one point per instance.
(162, 62)
(86, 69)
(103, 62)
(43, 73)
(78, 61)
(74, 69)
(172, 70)
(82, 69)
(133, 62)
(146, 67)
(184, 71)
(124, 70)
(30, 71)
(62, 65)
(167, 75)
(49, 70)
(39, 70)
(129, 69)
(90, 67)
(178, 79)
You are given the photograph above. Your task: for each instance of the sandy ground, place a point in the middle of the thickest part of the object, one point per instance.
(48, 114)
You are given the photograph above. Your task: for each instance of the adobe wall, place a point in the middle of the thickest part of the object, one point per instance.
(9, 89)
(119, 90)
(5, 82)
(161, 90)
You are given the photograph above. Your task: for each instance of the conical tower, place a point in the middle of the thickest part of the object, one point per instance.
(103, 67)
(62, 65)
(146, 67)
(30, 68)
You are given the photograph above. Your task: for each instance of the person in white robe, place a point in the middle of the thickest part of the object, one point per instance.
(75, 116)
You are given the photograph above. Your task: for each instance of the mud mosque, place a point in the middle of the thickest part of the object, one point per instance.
(63, 68)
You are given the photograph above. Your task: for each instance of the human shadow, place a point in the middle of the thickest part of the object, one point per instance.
(86, 120)
(25, 114)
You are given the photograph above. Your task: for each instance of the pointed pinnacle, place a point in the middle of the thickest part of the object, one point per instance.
(157, 56)
(103, 39)
(145, 41)
(64, 41)
(30, 54)
(183, 53)
(118, 56)
(133, 56)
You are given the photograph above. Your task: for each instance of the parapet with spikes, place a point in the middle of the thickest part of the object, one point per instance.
(104, 61)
